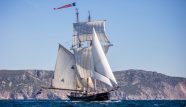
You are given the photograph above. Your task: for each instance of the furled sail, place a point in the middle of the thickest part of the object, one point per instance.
(83, 31)
(101, 64)
(65, 72)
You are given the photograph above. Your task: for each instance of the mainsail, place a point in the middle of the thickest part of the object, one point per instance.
(65, 76)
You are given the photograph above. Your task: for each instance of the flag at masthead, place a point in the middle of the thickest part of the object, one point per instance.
(66, 6)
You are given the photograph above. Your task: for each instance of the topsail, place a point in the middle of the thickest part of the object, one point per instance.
(83, 32)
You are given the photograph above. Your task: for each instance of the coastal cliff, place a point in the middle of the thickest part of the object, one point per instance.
(134, 85)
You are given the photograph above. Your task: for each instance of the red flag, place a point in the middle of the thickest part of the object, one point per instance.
(66, 6)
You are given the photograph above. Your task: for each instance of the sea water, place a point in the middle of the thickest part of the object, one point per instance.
(120, 103)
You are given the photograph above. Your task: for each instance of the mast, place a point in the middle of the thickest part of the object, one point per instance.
(89, 20)
(87, 87)
(95, 88)
(77, 15)
(89, 17)
(77, 20)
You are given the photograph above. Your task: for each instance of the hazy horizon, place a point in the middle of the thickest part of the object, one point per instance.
(147, 35)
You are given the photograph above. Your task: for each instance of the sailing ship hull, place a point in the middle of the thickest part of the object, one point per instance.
(96, 97)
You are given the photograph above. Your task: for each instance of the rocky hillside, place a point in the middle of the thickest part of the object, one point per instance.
(139, 84)
(134, 84)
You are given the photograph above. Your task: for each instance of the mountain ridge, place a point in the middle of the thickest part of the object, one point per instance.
(134, 85)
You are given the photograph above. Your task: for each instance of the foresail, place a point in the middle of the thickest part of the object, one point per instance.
(64, 75)
(100, 61)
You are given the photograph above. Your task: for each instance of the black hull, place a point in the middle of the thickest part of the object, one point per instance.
(96, 97)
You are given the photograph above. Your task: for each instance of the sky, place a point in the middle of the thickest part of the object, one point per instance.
(147, 34)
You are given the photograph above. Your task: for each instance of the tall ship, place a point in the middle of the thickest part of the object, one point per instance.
(85, 70)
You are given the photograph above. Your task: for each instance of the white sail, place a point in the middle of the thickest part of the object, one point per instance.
(83, 64)
(105, 48)
(64, 75)
(98, 76)
(83, 31)
(102, 78)
(83, 61)
(87, 82)
(100, 61)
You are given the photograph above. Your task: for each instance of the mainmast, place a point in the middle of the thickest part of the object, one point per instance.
(95, 90)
